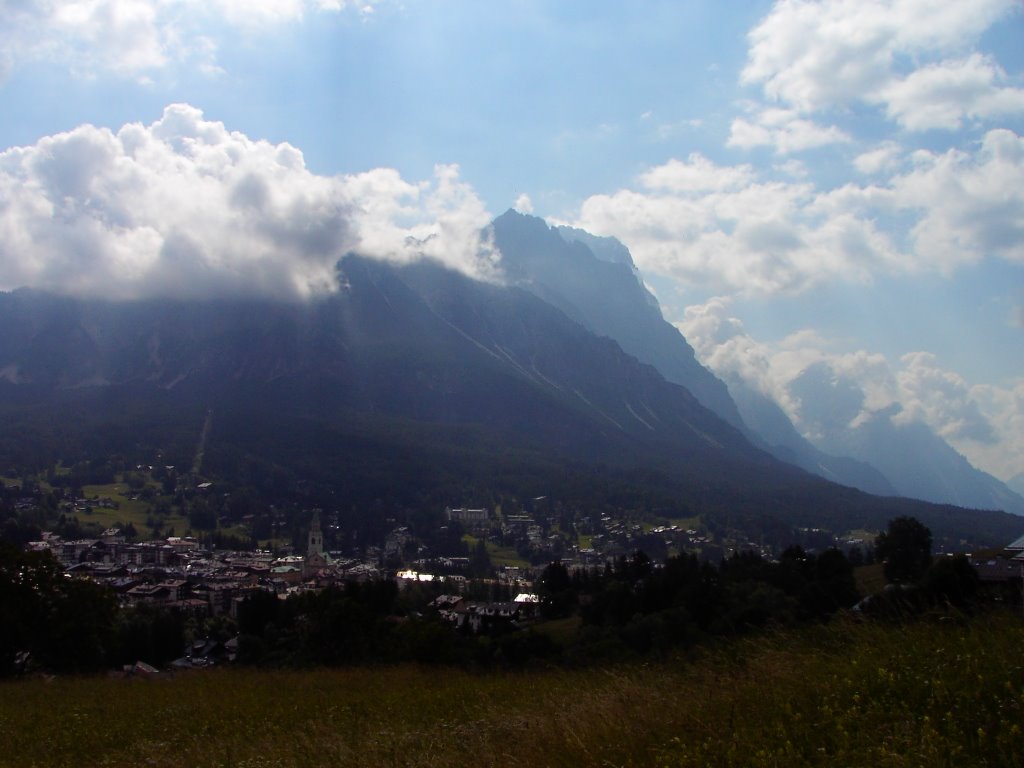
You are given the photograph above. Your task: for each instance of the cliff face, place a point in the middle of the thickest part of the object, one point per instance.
(593, 280)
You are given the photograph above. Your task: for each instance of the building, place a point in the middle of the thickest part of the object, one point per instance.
(316, 558)
(474, 519)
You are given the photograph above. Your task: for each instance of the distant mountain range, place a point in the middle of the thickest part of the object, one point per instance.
(415, 376)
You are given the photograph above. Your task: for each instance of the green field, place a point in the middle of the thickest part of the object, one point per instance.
(134, 511)
(853, 694)
(506, 556)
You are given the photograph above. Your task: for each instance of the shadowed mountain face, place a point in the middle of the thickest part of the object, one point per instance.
(407, 378)
(418, 343)
(593, 281)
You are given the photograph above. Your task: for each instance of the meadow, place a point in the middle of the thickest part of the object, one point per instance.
(853, 693)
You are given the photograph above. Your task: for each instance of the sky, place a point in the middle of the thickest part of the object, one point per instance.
(837, 182)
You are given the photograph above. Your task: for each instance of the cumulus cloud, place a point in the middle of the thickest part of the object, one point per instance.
(819, 388)
(944, 94)
(523, 204)
(941, 399)
(970, 205)
(1004, 407)
(833, 54)
(185, 208)
(696, 174)
(726, 229)
(825, 389)
(784, 130)
(885, 157)
(135, 38)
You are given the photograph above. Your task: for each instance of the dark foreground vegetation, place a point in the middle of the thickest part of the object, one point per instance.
(633, 609)
(852, 693)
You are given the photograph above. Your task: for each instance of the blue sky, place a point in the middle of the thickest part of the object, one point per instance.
(838, 181)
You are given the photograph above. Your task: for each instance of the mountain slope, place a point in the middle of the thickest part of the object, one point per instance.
(917, 462)
(593, 279)
(605, 295)
(769, 422)
(411, 385)
(422, 344)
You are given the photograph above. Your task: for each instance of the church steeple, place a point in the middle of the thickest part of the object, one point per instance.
(315, 557)
(316, 538)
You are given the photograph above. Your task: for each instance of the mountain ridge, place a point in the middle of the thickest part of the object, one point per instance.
(415, 375)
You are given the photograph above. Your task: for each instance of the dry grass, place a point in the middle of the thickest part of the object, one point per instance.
(851, 695)
(870, 579)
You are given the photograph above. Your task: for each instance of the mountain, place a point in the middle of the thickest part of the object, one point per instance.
(921, 465)
(766, 419)
(1016, 483)
(411, 386)
(594, 280)
(918, 463)
(419, 344)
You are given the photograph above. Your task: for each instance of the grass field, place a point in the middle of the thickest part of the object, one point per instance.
(932, 694)
(499, 555)
(870, 578)
(134, 511)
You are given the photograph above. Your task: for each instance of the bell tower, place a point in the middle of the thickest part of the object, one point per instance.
(316, 537)
(315, 557)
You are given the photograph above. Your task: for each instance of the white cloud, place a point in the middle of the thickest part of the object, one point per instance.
(1004, 408)
(126, 37)
(724, 229)
(943, 95)
(823, 388)
(854, 385)
(882, 158)
(792, 168)
(814, 56)
(971, 206)
(784, 130)
(186, 208)
(722, 344)
(523, 204)
(941, 399)
(136, 38)
(696, 174)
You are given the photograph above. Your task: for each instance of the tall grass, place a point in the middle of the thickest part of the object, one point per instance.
(851, 694)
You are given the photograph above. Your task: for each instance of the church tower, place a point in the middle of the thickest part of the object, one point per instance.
(316, 537)
(315, 557)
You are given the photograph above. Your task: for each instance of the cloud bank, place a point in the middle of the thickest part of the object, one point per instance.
(824, 390)
(731, 229)
(186, 208)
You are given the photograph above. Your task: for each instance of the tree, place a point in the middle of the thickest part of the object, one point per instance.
(954, 580)
(905, 550)
(64, 624)
(480, 560)
(554, 588)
